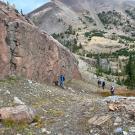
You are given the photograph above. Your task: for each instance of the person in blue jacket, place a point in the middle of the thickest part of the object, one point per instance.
(62, 79)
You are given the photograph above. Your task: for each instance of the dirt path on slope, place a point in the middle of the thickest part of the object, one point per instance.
(60, 111)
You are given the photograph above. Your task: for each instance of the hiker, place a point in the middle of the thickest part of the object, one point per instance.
(99, 83)
(112, 90)
(61, 80)
(103, 85)
(22, 13)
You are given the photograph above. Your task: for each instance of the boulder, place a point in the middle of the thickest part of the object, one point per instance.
(21, 113)
(29, 52)
(113, 107)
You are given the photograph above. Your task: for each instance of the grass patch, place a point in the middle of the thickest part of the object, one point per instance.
(15, 125)
(40, 102)
(50, 121)
(39, 123)
(10, 80)
(55, 113)
(60, 100)
(119, 92)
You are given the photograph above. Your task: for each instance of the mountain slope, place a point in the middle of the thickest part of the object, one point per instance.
(76, 23)
(48, 16)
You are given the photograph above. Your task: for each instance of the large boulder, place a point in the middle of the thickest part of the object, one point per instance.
(29, 52)
(17, 114)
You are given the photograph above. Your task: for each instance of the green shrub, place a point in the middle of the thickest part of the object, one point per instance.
(98, 33)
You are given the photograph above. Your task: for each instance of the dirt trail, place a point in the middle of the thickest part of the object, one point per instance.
(61, 110)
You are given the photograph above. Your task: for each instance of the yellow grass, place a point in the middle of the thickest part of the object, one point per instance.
(120, 92)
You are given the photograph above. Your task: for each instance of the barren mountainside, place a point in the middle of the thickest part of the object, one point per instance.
(58, 14)
(78, 23)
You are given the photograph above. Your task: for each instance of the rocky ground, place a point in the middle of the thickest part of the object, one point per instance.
(75, 110)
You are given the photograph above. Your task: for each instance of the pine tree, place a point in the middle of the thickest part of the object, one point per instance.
(130, 71)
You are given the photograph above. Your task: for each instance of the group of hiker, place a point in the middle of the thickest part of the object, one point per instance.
(101, 83)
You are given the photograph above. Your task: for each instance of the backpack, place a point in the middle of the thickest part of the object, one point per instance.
(112, 88)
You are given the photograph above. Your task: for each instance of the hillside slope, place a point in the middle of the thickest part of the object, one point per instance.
(76, 23)
(58, 14)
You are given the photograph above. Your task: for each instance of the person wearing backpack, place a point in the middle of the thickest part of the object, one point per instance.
(103, 85)
(61, 80)
(112, 90)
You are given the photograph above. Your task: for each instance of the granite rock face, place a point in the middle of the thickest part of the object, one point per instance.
(27, 51)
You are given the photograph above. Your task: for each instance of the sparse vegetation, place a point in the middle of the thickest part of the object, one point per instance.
(69, 39)
(98, 33)
(130, 70)
(55, 112)
(90, 19)
(131, 13)
(115, 19)
(123, 52)
(126, 38)
(10, 79)
(110, 17)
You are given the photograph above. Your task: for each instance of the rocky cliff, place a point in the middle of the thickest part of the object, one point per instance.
(27, 51)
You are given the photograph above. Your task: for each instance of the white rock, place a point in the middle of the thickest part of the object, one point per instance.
(49, 91)
(125, 133)
(132, 129)
(69, 88)
(7, 92)
(18, 101)
(44, 130)
(91, 131)
(30, 82)
(48, 132)
(116, 124)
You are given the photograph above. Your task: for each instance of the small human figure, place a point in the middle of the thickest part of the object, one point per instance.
(112, 90)
(61, 80)
(103, 85)
(22, 13)
(99, 83)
